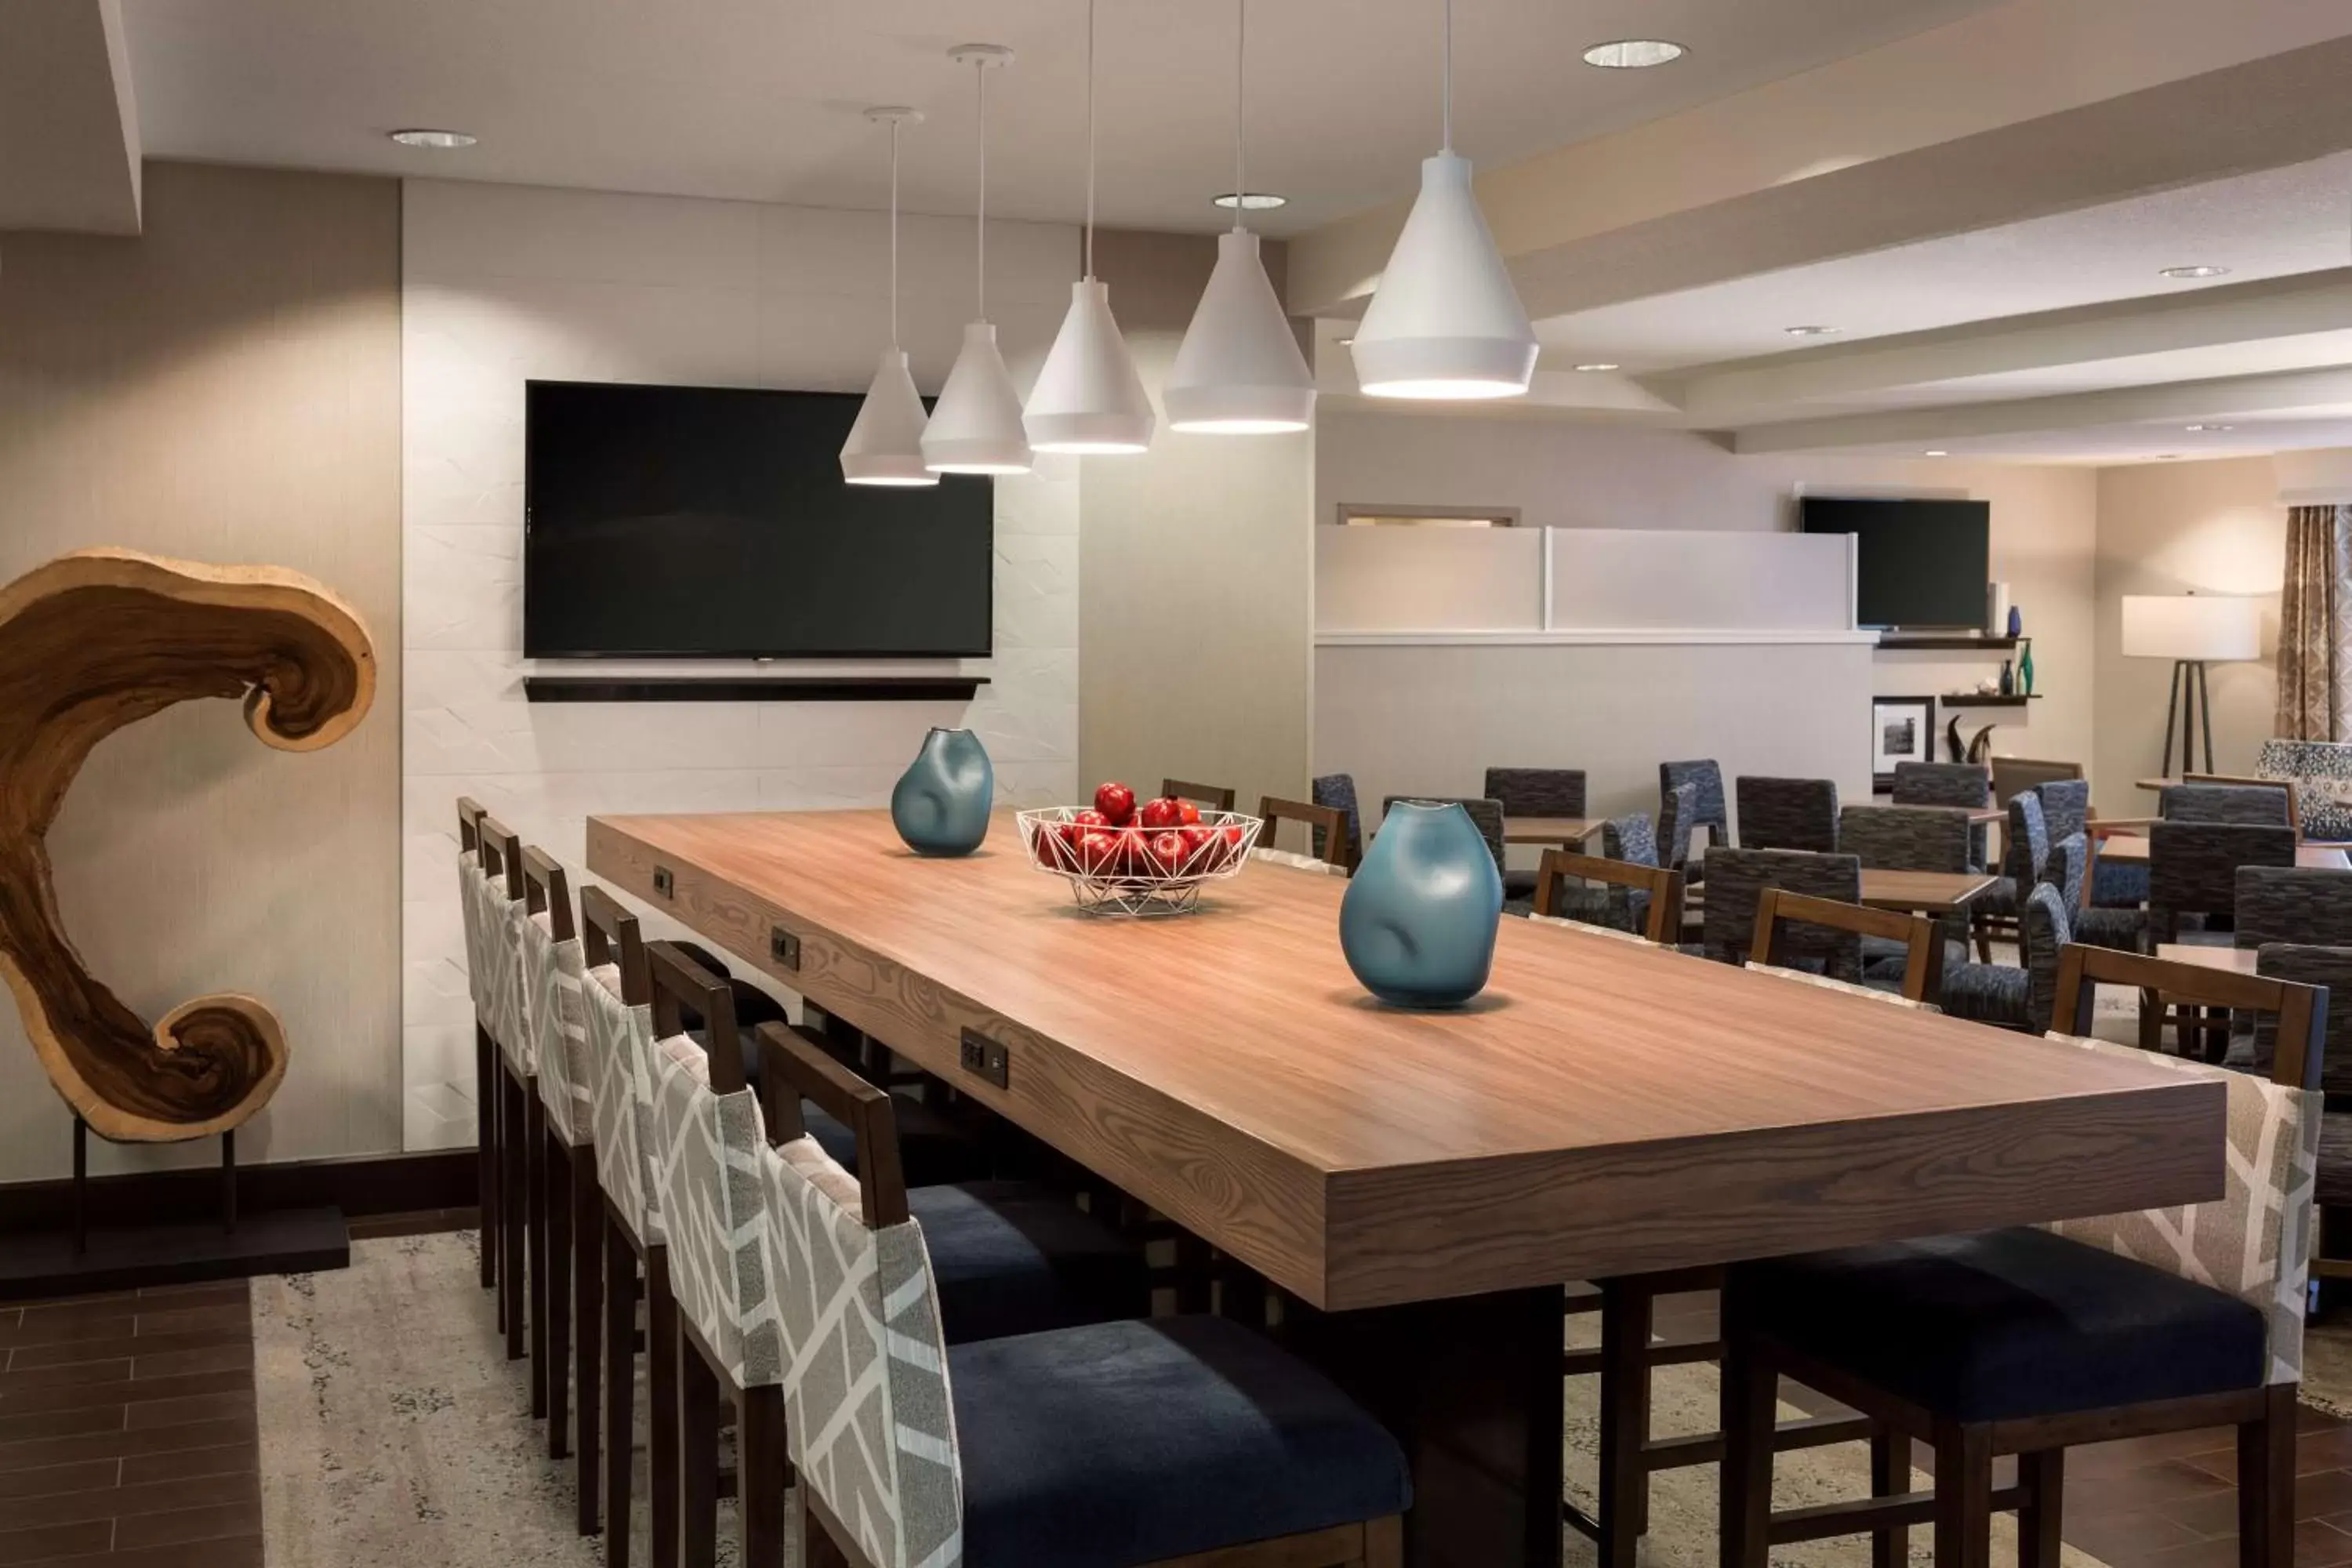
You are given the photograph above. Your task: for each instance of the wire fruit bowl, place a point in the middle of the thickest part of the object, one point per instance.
(1136, 871)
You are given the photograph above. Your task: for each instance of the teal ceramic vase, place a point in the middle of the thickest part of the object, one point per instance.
(1418, 922)
(941, 806)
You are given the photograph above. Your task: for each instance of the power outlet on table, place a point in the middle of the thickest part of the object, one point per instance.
(665, 887)
(986, 1059)
(783, 947)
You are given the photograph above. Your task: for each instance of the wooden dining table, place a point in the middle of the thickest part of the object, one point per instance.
(1424, 1184)
(1563, 832)
(2133, 848)
(1922, 892)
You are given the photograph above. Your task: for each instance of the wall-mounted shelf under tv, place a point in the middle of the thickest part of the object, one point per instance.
(1890, 642)
(1974, 699)
(751, 687)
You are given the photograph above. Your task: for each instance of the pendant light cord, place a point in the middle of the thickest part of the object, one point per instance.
(894, 235)
(1090, 141)
(1447, 99)
(1240, 90)
(979, 224)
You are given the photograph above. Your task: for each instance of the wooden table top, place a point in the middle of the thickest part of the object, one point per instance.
(1605, 1106)
(1922, 892)
(1565, 832)
(2312, 857)
(2238, 959)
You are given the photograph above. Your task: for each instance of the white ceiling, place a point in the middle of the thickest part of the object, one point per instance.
(758, 99)
(2271, 224)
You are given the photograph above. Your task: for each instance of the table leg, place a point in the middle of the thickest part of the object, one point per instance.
(1472, 1389)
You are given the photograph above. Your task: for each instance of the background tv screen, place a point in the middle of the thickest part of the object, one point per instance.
(1922, 562)
(696, 522)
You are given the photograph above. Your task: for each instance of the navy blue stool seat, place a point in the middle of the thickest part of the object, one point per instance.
(1137, 1442)
(2004, 1325)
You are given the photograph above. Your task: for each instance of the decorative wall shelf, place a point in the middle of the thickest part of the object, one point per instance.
(1971, 700)
(751, 687)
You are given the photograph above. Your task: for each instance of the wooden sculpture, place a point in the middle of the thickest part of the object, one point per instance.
(89, 643)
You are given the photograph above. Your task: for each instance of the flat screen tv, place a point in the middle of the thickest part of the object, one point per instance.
(1923, 564)
(703, 522)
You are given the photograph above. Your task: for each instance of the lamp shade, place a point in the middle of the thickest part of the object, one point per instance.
(975, 426)
(1089, 398)
(2192, 627)
(886, 445)
(1239, 371)
(1446, 321)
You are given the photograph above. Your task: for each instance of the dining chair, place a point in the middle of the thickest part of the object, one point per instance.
(2294, 904)
(2024, 853)
(1188, 1440)
(2024, 996)
(2030, 1340)
(554, 967)
(618, 996)
(1738, 877)
(2317, 769)
(1967, 785)
(2012, 775)
(1643, 899)
(1328, 837)
(471, 901)
(1916, 939)
(1677, 821)
(2193, 868)
(1537, 792)
(2330, 969)
(522, 1227)
(1486, 815)
(2286, 787)
(1208, 796)
(2244, 804)
(1338, 791)
(1787, 813)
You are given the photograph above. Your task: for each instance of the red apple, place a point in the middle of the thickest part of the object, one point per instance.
(1116, 802)
(1165, 811)
(1233, 836)
(1203, 850)
(1100, 851)
(1187, 813)
(1167, 851)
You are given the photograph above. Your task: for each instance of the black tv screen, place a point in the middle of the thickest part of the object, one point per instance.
(677, 522)
(1922, 564)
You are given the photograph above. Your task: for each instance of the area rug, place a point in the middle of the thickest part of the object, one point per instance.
(395, 1434)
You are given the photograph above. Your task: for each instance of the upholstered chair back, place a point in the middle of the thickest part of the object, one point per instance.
(1632, 839)
(2254, 1241)
(1487, 814)
(505, 911)
(2328, 968)
(866, 1401)
(2321, 772)
(2065, 807)
(707, 1180)
(2192, 867)
(1906, 837)
(1734, 878)
(1676, 808)
(1537, 792)
(1704, 776)
(471, 901)
(1338, 791)
(2246, 806)
(553, 967)
(620, 1046)
(2026, 845)
(1942, 783)
(1787, 813)
(2294, 904)
(2046, 925)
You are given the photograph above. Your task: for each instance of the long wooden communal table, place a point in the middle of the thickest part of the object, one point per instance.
(1425, 1183)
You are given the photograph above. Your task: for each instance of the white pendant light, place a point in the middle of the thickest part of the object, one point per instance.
(886, 445)
(975, 426)
(1239, 371)
(1089, 398)
(1446, 321)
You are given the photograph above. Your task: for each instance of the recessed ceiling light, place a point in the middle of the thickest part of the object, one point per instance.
(1597, 365)
(1812, 332)
(1347, 343)
(440, 141)
(1250, 201)
(2199, 271)
(1934, 452)
(2209, 427)
(1633, 54)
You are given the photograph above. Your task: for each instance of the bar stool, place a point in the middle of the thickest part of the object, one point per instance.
(521, 1182)
(554, 966)
(472, 897)
(1187, 1440)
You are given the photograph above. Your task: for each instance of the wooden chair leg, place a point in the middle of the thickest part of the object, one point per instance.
(1384, 1542)
(534, 1149)
(698, 1458)
(588, 1294)
(662, 1341)
(513, 1195)
(2042, 1476)
(1890, 1476)
(486, 1152)
(1963, 1495)
(1192, 1274)
(1750, 1400)
(762, 1473)
(619, 1389)
(555, 1167)
(1626, 1320)
(2266, 1483)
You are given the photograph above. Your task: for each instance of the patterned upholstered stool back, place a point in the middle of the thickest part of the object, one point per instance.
(867, 1402)
(505, 911)
(707, 1142)
(2254, 1241)
(553, 966)
(469, 905)
(616, 995)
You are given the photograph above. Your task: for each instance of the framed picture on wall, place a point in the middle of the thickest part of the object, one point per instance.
(1902, 729)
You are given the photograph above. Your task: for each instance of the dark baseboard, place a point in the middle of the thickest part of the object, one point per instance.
(360, 1186)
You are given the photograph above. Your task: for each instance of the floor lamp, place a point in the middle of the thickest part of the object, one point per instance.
(2192, 631)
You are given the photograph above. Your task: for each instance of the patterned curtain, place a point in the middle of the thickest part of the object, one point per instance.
(2314, 656)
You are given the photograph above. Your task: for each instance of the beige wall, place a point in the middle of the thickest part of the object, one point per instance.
(1564, 475)
(1194, 614)
(2170, 528)
(225, 387)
